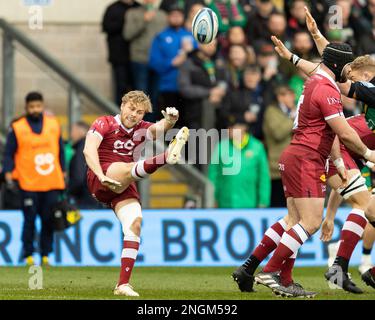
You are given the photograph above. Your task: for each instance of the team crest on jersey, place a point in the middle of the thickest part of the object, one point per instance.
(323, 177)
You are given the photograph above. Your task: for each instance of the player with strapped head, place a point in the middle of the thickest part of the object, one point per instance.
(109, 150)
(302, 164)
(362, 72)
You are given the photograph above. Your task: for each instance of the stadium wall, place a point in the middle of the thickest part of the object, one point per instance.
(169, 238)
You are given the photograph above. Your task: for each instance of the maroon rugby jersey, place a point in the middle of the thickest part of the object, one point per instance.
(319, 102)
(118, 143)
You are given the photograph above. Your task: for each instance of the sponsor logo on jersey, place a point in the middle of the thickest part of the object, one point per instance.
(123, 148)
(323, 178)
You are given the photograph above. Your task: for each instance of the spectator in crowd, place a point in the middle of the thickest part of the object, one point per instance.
(202, 83)
(277, 27)
(229, 13)
(272, 70)
(257, 26)
(77, 187)
(238, 58)
(185, 5)
(34, 155)
(247, 102)
(141, 25)
(118, 47)
(244, 180)
(277, 127)
(236, 36)
(169, 51)
(296, 83)
(191, 14)
(367, 39)
(297, 17)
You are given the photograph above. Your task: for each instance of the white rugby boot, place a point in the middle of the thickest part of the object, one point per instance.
(176, 145)
(366, 263)
(125, 290)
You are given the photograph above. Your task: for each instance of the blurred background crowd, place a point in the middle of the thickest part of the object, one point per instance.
(236, 82)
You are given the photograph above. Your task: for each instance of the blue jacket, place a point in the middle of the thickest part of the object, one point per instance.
(11, 145)
(164, 49)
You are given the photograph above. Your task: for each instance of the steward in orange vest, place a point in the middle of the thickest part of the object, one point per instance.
(34, 157)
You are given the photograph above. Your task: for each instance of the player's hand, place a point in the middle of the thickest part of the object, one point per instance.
(170, 115)
(280, 48)
(327, 230)
(110, 183)
(311, 24)
(343, 173)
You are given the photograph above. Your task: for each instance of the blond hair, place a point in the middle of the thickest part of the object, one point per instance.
(363, 63)
(137, 97)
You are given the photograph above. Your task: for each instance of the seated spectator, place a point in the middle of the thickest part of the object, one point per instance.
(239, 169)
(141, 25)
(201, 80)
(277, 127)
(229, 14)
(169, 51)
(247, 102)
(238, 57)
(77, 187)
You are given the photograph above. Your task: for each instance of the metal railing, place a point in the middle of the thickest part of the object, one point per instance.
(76, 87)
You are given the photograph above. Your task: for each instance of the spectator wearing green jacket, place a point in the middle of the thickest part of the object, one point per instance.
(239, 170)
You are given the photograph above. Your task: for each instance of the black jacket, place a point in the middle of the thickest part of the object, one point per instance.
(112, 24)
(195, 84)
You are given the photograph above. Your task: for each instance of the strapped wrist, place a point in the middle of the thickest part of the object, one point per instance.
(339, 163)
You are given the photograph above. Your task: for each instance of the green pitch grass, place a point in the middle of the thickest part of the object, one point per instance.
(157, 283)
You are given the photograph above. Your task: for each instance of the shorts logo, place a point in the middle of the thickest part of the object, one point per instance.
(323, 178)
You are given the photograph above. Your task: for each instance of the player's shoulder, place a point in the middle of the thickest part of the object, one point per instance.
(143, 125)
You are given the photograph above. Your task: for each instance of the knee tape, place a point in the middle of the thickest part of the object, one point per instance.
(127, 214)
(356, 184)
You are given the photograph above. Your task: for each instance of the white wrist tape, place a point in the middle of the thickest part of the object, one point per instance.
(370, 164)
(339, 163)
(367, 154)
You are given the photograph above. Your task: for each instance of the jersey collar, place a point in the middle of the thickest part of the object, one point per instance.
(118, 120)
(326, 75)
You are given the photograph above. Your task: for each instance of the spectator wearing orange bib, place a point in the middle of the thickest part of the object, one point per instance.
(34, 156)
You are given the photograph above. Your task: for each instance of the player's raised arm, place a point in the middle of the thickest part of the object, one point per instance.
(307, 67)
(90, 152)
(170, 118)
(320, 41)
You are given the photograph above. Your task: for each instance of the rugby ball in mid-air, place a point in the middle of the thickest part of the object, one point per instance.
(205, 26)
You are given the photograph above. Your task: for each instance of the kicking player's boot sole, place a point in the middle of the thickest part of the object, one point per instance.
(368, 278)
(244, 280)
(338, 279)
(176, 145)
